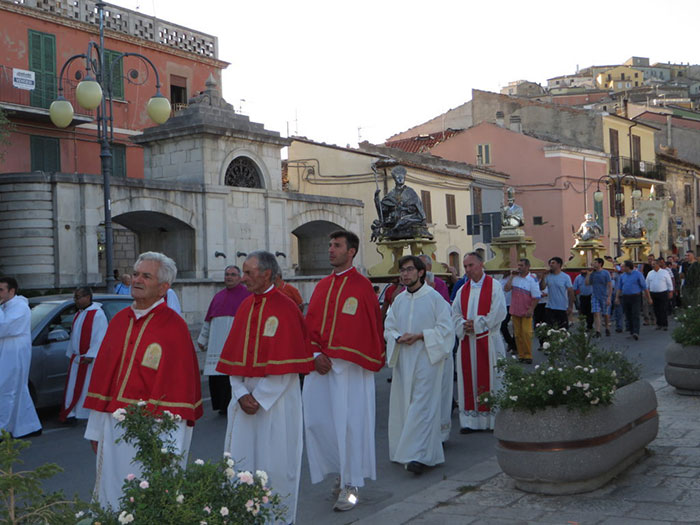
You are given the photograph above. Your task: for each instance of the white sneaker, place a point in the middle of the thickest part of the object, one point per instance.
(347, 499)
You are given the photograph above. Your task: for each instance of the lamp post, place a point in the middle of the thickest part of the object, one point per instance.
(89, 95)
(616, 181)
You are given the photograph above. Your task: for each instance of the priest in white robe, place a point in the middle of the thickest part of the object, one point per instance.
(89, 328)
(477, 311)
(419, 334)
(17, 413)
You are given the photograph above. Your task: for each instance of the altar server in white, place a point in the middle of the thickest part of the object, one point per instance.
(478, 310)
(17, 413)
(419, 334)
(89, 328)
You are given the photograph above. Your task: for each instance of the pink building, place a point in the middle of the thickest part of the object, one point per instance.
(554, 182)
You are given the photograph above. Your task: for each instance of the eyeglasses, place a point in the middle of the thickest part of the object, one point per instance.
(407, 269)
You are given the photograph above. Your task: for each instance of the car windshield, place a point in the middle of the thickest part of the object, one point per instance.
(40, 311)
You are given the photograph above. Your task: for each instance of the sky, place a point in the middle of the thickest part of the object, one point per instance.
(341, 72)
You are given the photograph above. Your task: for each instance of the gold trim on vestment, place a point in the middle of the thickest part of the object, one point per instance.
(126, 345)
(258, 328)
(133, 354)
(335, 311)
(325, 307)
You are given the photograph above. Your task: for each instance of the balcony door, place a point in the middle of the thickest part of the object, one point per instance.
(42, 60)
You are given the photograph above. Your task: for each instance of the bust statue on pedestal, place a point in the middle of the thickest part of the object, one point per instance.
(634, 228)
(512, 217)
(589, 230)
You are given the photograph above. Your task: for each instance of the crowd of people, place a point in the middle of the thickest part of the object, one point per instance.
(285, 380)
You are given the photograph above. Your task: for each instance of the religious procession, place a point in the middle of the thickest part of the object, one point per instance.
(291, 382)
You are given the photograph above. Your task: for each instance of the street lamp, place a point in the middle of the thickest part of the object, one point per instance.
(616, 181)
(89, 95)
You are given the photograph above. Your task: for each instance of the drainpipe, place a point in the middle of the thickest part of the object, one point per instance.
(669, 136)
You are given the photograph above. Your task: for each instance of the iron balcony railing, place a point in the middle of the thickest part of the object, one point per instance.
(638, 168)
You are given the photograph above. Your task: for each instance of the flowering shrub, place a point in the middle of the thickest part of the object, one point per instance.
(688, 330)
(166, 492)
(576, 373)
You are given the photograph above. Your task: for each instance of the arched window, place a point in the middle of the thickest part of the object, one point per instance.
(243, 173)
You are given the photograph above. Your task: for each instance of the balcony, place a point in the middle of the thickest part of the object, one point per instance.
(34, 104)
(638, 168)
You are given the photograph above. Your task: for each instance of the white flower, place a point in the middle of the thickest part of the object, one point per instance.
(169, 414)
(245, 477)
(543, 372)
(199, 462)
(229, 473)
(550, 369)
(559, 370)
(568, 388)
(532, 384)
(585, 369)
(79, 514)
(513, 398)
(577, 367)
(550, 331)
(119, 414)
(578, 384)
(230, 462)
(486, 400)
(129, 477)
(178, 417)
(564, 392)
(207, 509)
(223, 511)
(125, 517)
(588, 395)
(144, 484)
(262, 475)
(545, 345)
(202, 523)
(227, 454)
(595, 401)
(613, 374)
(163, 450)
(141, 403)
(180, 498)
(537, 366)
(550, 392)
(586, 386)
(249, 505)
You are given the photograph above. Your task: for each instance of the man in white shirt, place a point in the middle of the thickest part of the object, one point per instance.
(419, 335)
(660, 287)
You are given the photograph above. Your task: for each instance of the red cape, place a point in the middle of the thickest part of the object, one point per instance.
(151, 359)
(345, 322)
(268, 337)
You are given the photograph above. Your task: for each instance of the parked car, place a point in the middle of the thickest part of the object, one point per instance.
(52, 320)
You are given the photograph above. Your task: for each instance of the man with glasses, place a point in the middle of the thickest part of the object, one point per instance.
(89, 328)
(215, 330)
(419, 335)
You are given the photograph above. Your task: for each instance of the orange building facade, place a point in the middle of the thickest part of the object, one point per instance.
(40, 36)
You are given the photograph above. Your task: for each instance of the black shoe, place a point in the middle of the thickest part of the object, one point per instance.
(416, 467)
(388, 379)
(596, 335)
(607, 331)
(70, 421)
(525, 360)
(466, 430)
(618, 330)
(635, 337)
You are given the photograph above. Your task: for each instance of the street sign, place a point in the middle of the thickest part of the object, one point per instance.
(23, 79)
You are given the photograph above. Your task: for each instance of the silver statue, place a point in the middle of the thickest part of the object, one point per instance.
(512, 218)
(589, 230)
(634, 228)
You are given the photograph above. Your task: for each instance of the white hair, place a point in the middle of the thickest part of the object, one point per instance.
(266, 261)
(167, 271)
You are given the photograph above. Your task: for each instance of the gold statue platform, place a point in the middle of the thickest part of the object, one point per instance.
(583, 254)
(392, 251)
(635, 249)
(504, 246)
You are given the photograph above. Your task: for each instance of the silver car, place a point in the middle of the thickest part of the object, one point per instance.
(52, 320)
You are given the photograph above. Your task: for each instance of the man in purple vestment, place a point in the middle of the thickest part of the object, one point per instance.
(215, 330)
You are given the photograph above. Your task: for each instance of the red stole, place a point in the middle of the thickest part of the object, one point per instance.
(483, 371)
(85, 337)
(268, 337)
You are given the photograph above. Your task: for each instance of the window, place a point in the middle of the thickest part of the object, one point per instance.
(451, 209)
(477, 208)
(636, 75)
(118, 160)
(116, 73)
(178, 91)
(42, 60)
(598, 215)
(688, 193)
(483, 154)
(622, 76)
(425, 197)
(243, 173)
(45, 154)
(537, 220)
(455, 262)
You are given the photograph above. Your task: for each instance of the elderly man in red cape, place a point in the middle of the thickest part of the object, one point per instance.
(266, 350)
(147, 355)
(477, 312)
(345, 325)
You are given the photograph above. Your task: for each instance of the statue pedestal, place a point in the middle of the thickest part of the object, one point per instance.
(392, 251)
(635, 250)
(584, 252)
(503, 246)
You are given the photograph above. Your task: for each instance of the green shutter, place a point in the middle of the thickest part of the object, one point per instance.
(598, 215)
(117, 80)
(42, 60)
(118, 160)
(45, 154)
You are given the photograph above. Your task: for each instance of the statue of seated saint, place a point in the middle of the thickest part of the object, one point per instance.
(589, 229)
(512, 217)
(401, 214)
(634, 228)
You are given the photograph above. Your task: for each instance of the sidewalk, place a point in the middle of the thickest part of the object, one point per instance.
(663, 487)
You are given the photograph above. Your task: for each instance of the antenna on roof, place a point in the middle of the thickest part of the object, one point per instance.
(359, 134)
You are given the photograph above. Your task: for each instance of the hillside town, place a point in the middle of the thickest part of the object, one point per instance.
(161, 252)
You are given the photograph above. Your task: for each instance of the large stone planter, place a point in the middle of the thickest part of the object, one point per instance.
(557, 451)
(683, 368)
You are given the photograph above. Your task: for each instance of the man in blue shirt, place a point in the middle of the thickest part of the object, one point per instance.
(560, 298)
(583, 294)
(632, 286)
(600, 281)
